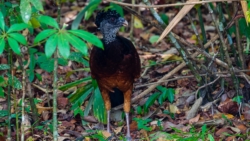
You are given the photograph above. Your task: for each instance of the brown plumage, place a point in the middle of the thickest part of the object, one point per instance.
(117, 66)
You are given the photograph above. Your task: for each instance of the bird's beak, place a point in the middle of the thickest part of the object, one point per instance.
(125, 23)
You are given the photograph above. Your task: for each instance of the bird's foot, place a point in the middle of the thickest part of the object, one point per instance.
(128, 138)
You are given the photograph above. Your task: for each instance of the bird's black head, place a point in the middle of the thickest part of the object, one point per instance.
(109, 22)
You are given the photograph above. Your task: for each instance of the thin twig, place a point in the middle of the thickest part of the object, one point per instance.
(169, 5)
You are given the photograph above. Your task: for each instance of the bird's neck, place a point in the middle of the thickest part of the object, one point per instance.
(108, 38)
(109, 35)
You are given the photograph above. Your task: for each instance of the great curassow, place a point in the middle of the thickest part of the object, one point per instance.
(116, 66)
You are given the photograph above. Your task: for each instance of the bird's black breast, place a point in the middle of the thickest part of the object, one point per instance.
(117, 56)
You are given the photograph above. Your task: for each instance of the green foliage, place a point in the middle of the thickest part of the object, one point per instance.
(153, 39)
(163, 94)
(142, 124)
(12, 36)
(165, 18)
(62, 39)
(77, 56)
(166, 93)
(238, 99)
(89, 9)
(90, 89)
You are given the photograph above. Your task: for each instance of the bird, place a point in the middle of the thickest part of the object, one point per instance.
(116, 66)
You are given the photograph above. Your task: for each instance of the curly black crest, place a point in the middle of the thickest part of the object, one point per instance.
(103, 15)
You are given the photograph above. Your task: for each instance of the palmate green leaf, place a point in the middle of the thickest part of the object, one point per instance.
(89, 105)
(80, 95)
(17, 27)
(44, 34)
(2, 45)
(3, 113)
(14, 45)
(75, 83)
(88, 37)
(63, 46)
(99, 107)
(19, 37)
(25, 10)
(78, 57)
(2, 24)
(77, 43)
(37, 4)
(48, 21)
(1, 92)
(170, 94)
(4, 67)
(93, 6)
(50, 45)
(151, 100)
(79, 17)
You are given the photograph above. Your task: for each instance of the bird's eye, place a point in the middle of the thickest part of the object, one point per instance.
(112, 19)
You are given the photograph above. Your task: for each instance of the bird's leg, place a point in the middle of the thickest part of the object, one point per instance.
(127, 101)
(107, 103)
(108, 121)
(128, 137)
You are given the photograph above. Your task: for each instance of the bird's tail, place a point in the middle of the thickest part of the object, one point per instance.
(116, 97)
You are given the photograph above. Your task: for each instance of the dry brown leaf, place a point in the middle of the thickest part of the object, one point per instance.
(247, 115)
(118, 130)
(165, 69)
(133, 126)
(219, 115)
(173, 109)
(62, 102)
(221, 132)
(41, 109)
(195, 119)
(106, 134)
(229, 106)
(185, 9)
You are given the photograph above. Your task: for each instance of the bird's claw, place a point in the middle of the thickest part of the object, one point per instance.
(128, 138)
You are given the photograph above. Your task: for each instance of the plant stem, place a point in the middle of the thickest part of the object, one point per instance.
(9, 93)
(55, 133)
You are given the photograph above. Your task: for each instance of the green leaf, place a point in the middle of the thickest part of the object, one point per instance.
(1, 92)
(19, 37)
(62, 62)
(78, 19)
(75, 83)
(80, 95)
(37, 4)
(165, 18)
(2, 45)
(153, 39)
(139, 110)
(89, 106)
(17, 27)
(63, 46)
(93, 6)
(170, 94)
(48, 21)
(78, 57)
(210, 137)
(77, 43)
(2, 24)
(151, 100)
(4, 67)
(44, 34)
(50, 45)
(25, 10)
(88, 37)
(14, 45)
(3, 113)
(99, 107)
